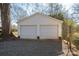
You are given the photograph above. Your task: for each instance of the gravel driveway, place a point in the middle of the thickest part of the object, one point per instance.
(30, 48)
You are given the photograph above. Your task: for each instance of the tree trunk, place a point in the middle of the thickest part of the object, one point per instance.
(5, 19)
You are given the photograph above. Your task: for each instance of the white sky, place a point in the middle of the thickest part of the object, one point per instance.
(67, 5)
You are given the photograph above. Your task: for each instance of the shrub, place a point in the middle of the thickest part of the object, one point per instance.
(76, 42)
(14, 30)
(0, 34)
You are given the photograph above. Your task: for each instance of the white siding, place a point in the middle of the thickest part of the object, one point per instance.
(40, 21)
(18, 29)
(60, 30)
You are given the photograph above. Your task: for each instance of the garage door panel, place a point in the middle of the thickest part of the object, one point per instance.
(48, 32)
(28, 31)
(45, 31)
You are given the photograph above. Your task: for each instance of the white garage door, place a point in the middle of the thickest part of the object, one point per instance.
(28, 31)
(48, 32)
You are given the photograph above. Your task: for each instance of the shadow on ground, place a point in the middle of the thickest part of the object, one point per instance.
(31, 48)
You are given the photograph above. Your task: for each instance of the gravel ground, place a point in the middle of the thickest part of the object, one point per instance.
(31, 48)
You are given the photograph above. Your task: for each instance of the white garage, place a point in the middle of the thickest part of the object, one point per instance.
(39, 25)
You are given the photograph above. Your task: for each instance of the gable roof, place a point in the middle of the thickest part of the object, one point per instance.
(25, 18)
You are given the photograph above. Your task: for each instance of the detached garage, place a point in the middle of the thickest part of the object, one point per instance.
(39, 25)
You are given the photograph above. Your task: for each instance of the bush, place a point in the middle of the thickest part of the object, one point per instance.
(14, 30)
(0, 34)
(76, 42)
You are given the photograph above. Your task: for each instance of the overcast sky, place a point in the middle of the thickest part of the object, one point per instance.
(67, 5)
